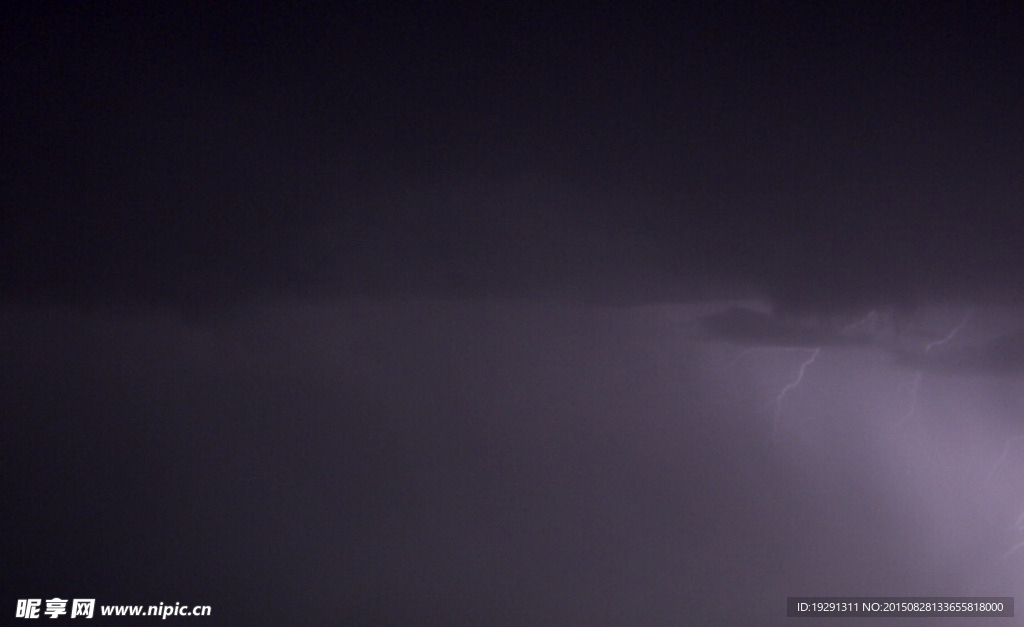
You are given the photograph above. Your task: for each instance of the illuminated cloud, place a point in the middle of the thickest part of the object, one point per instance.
(1003, 355)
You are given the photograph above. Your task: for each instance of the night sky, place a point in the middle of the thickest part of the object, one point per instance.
(375, 314)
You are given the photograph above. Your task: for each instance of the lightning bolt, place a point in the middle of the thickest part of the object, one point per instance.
(915, 386)
(1001, 459)
(870, 320)
(1018, 526)
(1019, 523)
(789, 387)
(952, 334)
(1013, 549)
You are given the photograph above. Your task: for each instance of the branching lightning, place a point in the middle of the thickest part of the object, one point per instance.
(915, 386)
(1018, 524)
(758, 332)
(790, 386)
(949, 336)
(870, 320)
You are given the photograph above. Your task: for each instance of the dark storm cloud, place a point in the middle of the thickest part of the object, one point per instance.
(816, 158)
(427, 462)
(446, 462)
(291, 323)
(757, 328)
